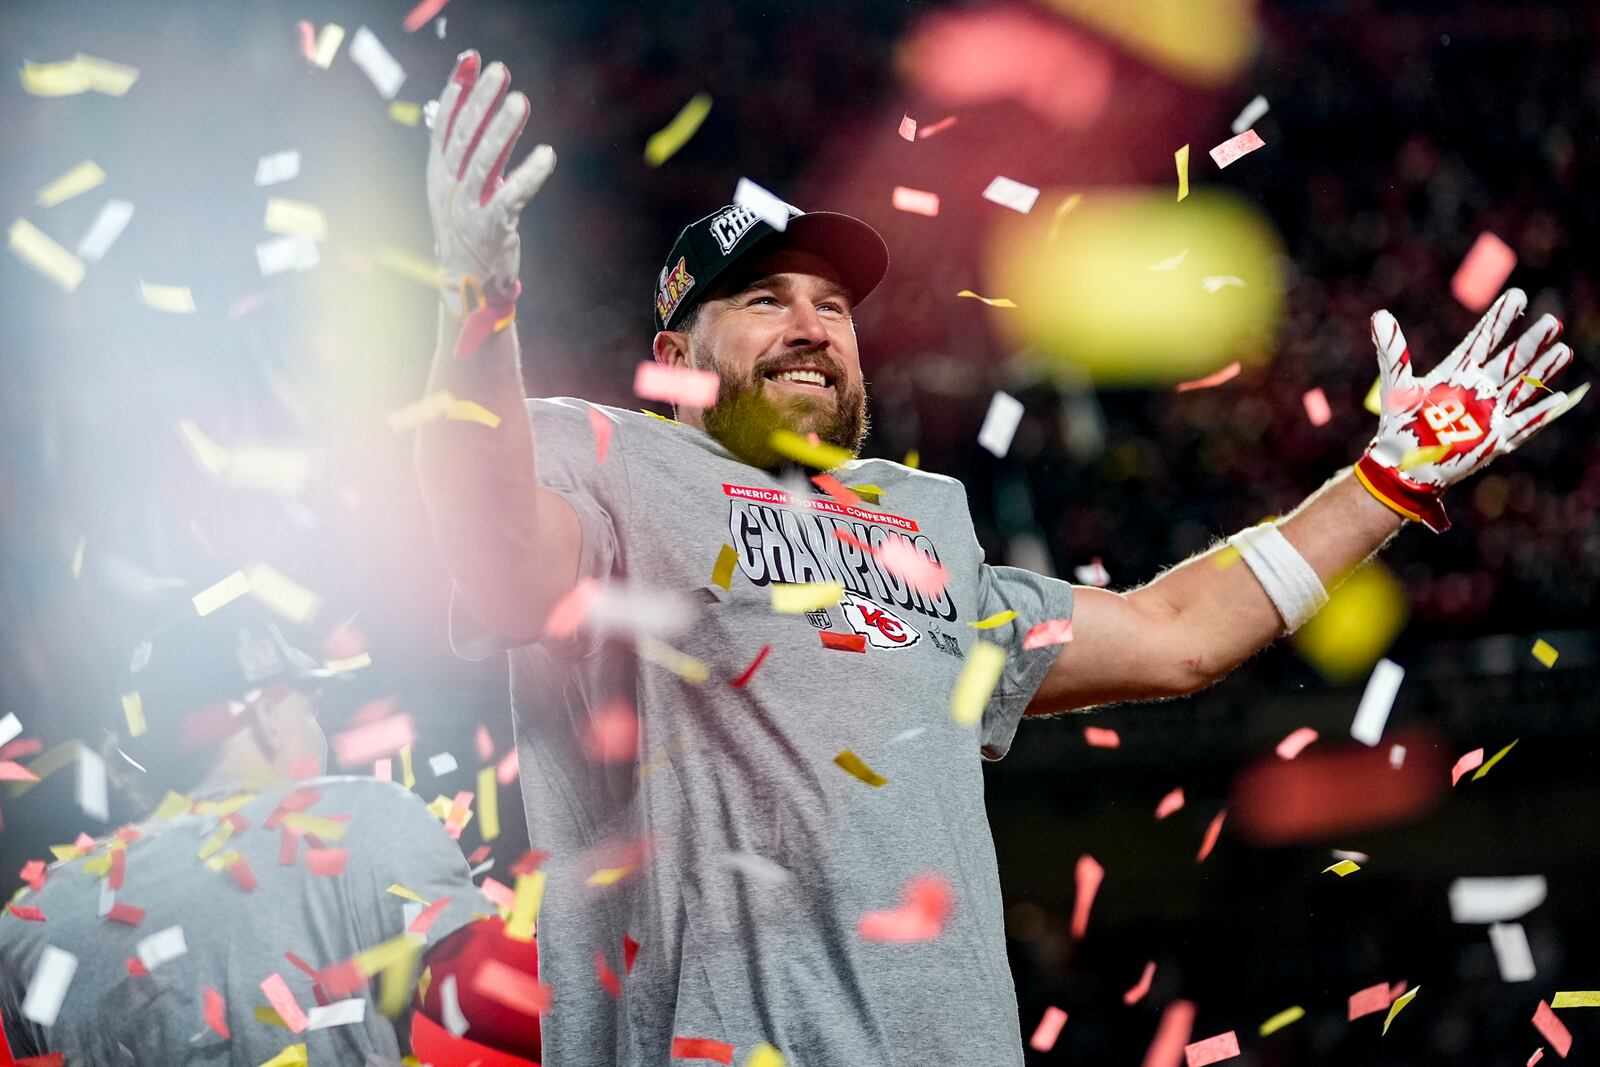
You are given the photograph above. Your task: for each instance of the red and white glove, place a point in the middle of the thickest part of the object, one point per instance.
(1482, 401)
(475, 210)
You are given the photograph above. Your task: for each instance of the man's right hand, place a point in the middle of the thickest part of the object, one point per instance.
(475, 211)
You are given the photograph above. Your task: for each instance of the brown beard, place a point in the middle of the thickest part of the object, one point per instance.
(745, 417)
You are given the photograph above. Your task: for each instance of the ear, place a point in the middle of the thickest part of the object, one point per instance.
(671, 347)
(263, 729)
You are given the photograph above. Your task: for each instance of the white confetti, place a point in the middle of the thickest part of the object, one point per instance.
(10, 727)
(1093, 573)
(163, 947)
(1512, 952)
(769, 208)
(758, 867)
(1217, 282)
(455, 1020)
(1250, 115)
(1494, 900)
(368, 53)
(441, 764)
(91, 785)
(1011, 194)
(908, 735)
(49, 985)
(339, 1013)
(278, 167)
(1000, 423)
(1353, 857)
(1171, 262)
(106, 228)
(1397, 756)
(438, 27)
(279, 254)
(1376, 701)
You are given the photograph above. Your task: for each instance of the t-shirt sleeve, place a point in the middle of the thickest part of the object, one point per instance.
(1035, 599)
(568, 465)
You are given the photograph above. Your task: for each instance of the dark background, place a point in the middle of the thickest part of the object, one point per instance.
(1397, 133)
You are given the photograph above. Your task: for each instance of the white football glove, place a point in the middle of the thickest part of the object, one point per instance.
(1482, 401)
(475, 211)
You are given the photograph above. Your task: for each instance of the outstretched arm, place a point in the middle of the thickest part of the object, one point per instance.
(511, 547)
(1199, 620)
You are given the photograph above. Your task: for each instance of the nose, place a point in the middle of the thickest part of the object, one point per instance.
(803, 328)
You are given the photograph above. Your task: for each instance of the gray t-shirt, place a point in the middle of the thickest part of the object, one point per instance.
(734, 851)
(235, 939)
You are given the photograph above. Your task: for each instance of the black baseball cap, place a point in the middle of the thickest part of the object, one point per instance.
(706, 250)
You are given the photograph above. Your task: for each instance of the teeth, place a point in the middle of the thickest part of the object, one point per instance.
(808, 377)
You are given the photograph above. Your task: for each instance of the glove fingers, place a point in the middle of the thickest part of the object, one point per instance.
(489, 158)
(1393, 355)
(1515, 359)
(1491, 329)
(525, 180)
(474, 117)
(1529, 421)
(1521, 389)
(462, 79)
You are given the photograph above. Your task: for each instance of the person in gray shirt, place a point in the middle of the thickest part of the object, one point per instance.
(751, 709)
(256, 884)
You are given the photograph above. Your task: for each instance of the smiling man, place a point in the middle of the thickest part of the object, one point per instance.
(722, 883)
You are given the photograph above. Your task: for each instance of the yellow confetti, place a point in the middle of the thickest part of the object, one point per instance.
(79, 179)
(797, 599)
(1394, 1009)
(1061, 212)
(328, 40)
(1282, 1019)
(404, 113)
(488, 804)
(397, 984)
(1225, 557)
(1492, 760)
(295, 218)
(352, 663)
(133, 711)
(1577, 998)
(405, 894)
(226, 806)
(722, 570)
(47, 763)
(1181, 157)
(38, 251)
(66, 78)
(322, 827)
(791, 445)
(1419, 457)
(282, 594)
(267, 1014)
(65, 852)
(224, 592)
(431, 407)
(1373, 401)
(471, 411)
(77, 556)
(852, 765)
(994, 302)
(684, 666)
(283, 470)
(380, 956)
(417, 268)
(872, 494)
(172, 806)
(1343, 867)
(665, 142)
(98, 866)
(1545, 652)
(104, 76)
(525, 906)
(176, 299)
(210, 456)
(1536, 383)
(998, 619)
(219, 837)
(764, 1055)
(422, 988)
(607, 876)
(659, 759)
(406, 776)
(977, 682)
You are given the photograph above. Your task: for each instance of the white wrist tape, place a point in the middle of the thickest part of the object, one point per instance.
(1291, 584)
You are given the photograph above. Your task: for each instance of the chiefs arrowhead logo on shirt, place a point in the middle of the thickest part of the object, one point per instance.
(881, 627)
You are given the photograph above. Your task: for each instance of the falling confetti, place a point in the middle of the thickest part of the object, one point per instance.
(176, 299)
(1398, 1006)
(295, 218)
(1181, 158)
(1487, 265)
(75, 182)
(368, 53)
(768, 207)
(992, 301)
(1000, 423)
(908, 128)
(1100, 737)
(422, 14)
(915, 201)
(48, 987)
(799, 598)
(1089, 875)
(1212, 1050)
(1012, 194)
(1142, 986)
(1049, 1029)
(665, 142)
(701, 1048)
(278, 167)
(1369, 1001)
(1471, 761)
(852, 765)
(1236, 147)
(1514, 956)
(1170, 803)
(1318, 411)
(1213, 831)
(1252, 113)
(1296, 742)
(41, 253)
(927, 903)
(1553, 1029)
(1545, 652)
(749, 672)
(1490, 900)
(1343, 868)
(998, 619)
(108, 225)
(936, 128)
(1286, 1017)
(1049, 632)
(1376, 701)
(676, 385)
(978, 678)
(1226, 374)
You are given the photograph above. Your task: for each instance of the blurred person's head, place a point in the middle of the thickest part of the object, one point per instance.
(770, 312)
(223, 699)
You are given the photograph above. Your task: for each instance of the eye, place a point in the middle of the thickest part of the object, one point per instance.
(763, 297)
(833, 306)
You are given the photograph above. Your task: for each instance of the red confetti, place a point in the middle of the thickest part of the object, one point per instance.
(1136, 994)
(361, 745)
(612, 734)
(1212, 1049)
(843, 642)
(1296, 743)
(22, 747)
(135, 968)
(1538, 1054)
(422, 13)
(15, 772)
(926, 905)
(1170, 803)
(308, 43)
(601, 425)
(630, 952)
(1488, 263)
(607, 977)
(125, 913)
(343, 979)
(915, 201)
(26, 911)
(372, 711)
(327, 862)
(908, 128)
(35, 873)
(119, 869)
(1553, 1029)
(676, 385)
(836, 489)
(1212, 832)
(749, 672)
(1166, 1049)
(1371, 999)
(1317, 409)
(522, 993)
(1226, 374)
(901, 559)
(938, 127)
(383, 770)
(1049, 1028)
(571, 609)
(499, 894)
(427, 917)
(478, 855)
(701, 1048)
(282, 1001)
(1470, 762)
(309, 767)
(1236, 147)
(484, 743)
(1050, 632)
(530, 861)
(85, 843)
(1089, 874)
(288, 845)
(505, 772)
(1101, 737)
(216, 1013)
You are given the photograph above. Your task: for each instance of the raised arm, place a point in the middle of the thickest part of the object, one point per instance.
(511, 547)
(1199, 620)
